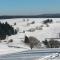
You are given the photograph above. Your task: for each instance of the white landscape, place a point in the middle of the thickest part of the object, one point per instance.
(23, 26)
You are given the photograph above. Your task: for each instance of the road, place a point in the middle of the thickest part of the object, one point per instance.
(29, 55)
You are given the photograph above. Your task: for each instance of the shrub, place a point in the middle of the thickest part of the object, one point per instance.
(47, 21)
(39, 28)
(10, 41)
(47, 25)
(52, 43)
(45, 42)
(14, 23)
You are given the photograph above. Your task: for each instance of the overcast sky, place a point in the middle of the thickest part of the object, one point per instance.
(29, 7)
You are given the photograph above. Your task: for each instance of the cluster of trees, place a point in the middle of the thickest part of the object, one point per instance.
(6, 29)
(52, 43)
(32, 42)
(47, 21)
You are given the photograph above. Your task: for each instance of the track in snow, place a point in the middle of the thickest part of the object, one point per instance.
(28, 55)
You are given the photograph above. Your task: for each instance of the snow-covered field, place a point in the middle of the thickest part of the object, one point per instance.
(23, 25)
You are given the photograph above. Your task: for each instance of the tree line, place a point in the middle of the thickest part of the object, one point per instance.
(6, 29)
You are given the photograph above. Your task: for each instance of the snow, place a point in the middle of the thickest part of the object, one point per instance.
(49, 57)
(24, 24)
(4, 49)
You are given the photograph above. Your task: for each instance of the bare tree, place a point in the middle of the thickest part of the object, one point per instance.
(34, 42)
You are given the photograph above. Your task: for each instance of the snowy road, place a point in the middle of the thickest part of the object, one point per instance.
(22, 56)
(31, 55)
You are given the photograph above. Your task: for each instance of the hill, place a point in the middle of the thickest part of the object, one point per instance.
(30, 16)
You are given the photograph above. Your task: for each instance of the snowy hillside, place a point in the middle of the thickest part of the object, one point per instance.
(30, 27)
